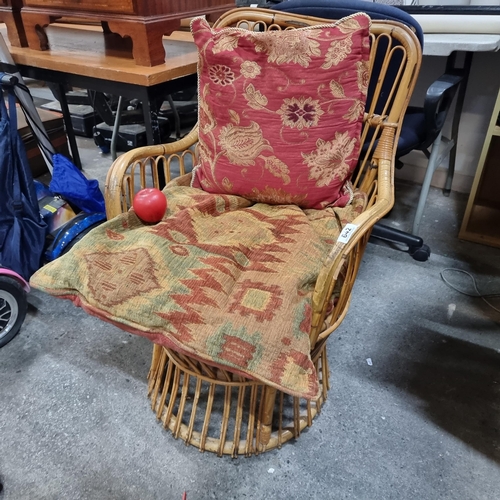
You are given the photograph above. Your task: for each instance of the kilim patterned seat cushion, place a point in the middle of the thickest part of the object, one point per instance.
(221, 278)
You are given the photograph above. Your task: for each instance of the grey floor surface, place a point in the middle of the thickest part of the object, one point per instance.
(422, 422)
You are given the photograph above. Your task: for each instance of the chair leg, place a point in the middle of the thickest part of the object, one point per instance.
(223, 413)
(266, 418)
(449, 177)
(155, 362)
(431, 168)
(416, 246)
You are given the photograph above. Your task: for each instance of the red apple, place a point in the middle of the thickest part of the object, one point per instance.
(150, 205)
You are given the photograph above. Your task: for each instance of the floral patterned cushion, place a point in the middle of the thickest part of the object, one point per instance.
(280, 112)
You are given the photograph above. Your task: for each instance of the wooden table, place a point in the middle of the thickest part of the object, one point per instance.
(444, 44)
(85, 57)
(143, 21)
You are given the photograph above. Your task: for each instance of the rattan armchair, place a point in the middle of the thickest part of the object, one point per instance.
(211, 407)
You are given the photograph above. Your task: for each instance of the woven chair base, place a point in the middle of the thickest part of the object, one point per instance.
(218, 411)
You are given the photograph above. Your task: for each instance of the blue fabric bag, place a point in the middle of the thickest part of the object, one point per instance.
(22, 230)
(73, 186)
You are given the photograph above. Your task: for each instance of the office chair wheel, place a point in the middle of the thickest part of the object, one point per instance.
(420, 253)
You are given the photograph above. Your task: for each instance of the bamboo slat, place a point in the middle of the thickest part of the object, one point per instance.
(251, 413)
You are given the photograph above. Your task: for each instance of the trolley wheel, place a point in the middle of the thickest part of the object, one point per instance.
(13, 307)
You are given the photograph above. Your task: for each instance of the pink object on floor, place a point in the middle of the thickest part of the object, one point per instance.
(22, 281)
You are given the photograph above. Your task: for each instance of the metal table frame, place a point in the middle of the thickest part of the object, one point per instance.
(150, 96)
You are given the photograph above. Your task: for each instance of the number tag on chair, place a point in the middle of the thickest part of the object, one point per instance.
(346, 233)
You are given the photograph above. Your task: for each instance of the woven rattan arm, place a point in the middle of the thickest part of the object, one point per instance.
(115, 194)
(346, 257)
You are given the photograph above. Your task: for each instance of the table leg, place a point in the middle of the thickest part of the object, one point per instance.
(116, 127)
(150, 109)
(61, 97)
(177, 119)
(451, 66)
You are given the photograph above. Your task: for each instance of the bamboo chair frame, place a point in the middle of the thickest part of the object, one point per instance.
(186, 393)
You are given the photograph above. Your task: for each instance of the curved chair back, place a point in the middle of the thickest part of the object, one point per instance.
(335, 9)
(395, 62)
(422, 125)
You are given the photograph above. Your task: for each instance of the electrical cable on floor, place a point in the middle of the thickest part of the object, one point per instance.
(484, 297)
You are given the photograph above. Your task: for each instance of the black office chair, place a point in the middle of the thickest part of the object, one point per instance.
(422, 126)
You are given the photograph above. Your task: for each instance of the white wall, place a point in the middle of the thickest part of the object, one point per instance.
(482, 89)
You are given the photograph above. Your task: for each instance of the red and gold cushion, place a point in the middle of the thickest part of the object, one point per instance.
(280, 112)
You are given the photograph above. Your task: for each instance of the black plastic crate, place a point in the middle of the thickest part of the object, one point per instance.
(83, 117)
(130, 136)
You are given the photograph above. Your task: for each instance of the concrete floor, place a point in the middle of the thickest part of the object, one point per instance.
(421, 423)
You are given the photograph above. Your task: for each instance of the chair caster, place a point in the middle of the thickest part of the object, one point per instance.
(421, 253)
(416, 246)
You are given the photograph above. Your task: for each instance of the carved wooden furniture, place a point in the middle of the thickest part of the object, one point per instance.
(10, 14)
(144, 21)
(108, 69)
(209, 406)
